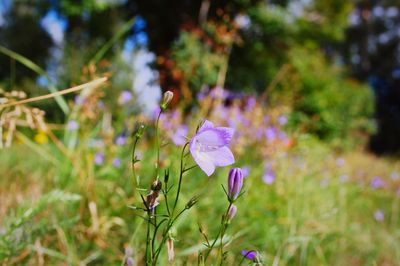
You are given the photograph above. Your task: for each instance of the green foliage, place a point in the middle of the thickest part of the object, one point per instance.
(326, 103)
(23, 227)
(196, 60)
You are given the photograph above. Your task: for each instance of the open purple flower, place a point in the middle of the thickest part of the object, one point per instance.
(209, 147)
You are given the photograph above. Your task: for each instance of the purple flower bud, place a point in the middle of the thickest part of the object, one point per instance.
(235, 183)
(232, 212)
(249, 254)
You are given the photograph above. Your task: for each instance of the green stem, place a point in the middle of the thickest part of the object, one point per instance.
(221, 234)
(158, 144)
(182, 170)
(147, 241)
(165, 234)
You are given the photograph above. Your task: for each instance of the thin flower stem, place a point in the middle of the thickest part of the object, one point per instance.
(220, 234)
(147, 241)
(134, 158)
(180, 177)
(158, 144)
(164, 237)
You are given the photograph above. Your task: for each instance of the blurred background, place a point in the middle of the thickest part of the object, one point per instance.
(312, 88)
(319, 58)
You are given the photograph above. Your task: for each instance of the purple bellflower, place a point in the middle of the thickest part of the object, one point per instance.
(209, 147)
(235, 183)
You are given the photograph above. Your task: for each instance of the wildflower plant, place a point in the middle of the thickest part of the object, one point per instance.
(209, 148)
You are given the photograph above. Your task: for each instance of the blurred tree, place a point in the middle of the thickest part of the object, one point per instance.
(22, 33)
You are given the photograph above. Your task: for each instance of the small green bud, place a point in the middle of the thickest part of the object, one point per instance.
(167, 98)
(191, 202)
(140, 131)
(166, 176)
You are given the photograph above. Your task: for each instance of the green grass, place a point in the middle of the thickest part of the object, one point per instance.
(307, 217)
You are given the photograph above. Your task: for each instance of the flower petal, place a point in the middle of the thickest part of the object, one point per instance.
(212, 139)
(206, 125)
(201, 158)
(221, 157)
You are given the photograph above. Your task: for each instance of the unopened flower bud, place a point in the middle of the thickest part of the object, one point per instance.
(140, 131)
(235, 183)
(170, 249)
(191, 202)
(156, 185)
(167, 98)
(166, 176)
(232, 212)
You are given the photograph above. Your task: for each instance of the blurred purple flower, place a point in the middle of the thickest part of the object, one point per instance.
(376, 182)
(343, 178)
(125, 97)
(219, 93)
(259, 132)
(340, 162)
(99, 158)
(251, 102)
(156, 112)
(78, 100)
(249, 254)
(394, 176)
(235, 183)
(209, 147)
(120, 140)
(116, 162)
(72, 125)
(324, 182)
(270, 134)
(179, 138)
(379, 215)
(246, 171)
(100, 104)
(268, 176)
(282, 120)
